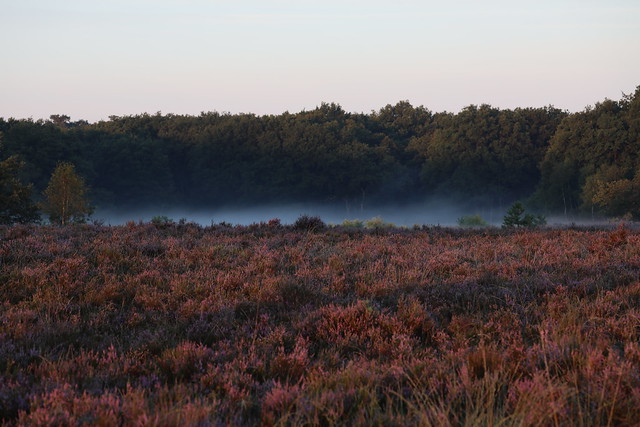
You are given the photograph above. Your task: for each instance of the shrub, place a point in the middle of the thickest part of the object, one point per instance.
(274, 223)
(353, 223)
(472, 221)
(309, 223)
(377, 223)
(517, 218)
(161, 220)
(126, 325)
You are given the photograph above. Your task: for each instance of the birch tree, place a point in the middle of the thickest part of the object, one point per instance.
(65, 197)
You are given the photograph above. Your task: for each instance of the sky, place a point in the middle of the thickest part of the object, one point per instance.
(91, 59)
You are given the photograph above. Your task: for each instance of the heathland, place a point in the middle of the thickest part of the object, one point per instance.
(179, 324)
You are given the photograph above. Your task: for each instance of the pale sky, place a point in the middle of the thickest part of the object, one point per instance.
(90, 59)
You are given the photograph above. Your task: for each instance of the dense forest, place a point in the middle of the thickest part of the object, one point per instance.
(556, 161)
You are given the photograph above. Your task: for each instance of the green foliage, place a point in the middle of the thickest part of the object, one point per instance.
(61, 120)
(472, 221)
(353, 223)
(480, 155)
(377, 223)
(322, 154)
(619, 198)
(16, 205)
(484, 152)
(588, 150)
(162, 220)
(65, 197)
(517, 218)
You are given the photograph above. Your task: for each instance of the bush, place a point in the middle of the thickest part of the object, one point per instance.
(353, 223)
(377, 223)
(161, 220)
(517, 218)
(309, 223)
(472, 221)
(274, 223)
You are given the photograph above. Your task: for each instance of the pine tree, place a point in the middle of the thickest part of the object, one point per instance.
(65, 197)
(517, 218)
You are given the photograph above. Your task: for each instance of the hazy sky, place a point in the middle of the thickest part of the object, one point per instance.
(94, 58)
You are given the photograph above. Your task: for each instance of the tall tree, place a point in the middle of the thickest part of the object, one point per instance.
(590, 149)
(16, 205)
(65, 196)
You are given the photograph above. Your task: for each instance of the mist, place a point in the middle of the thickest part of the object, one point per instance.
(404, 214)
(432, 213)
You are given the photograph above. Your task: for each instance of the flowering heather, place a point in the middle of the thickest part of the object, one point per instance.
(176, 324)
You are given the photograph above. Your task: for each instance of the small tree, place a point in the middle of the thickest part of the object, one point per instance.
(517, 218)
(16, 205)
(472, 221)
(65, 196)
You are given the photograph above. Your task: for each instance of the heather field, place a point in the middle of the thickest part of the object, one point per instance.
(178, 324)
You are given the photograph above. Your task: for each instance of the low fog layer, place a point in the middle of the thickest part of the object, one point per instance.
(401, 215)
(435, 213)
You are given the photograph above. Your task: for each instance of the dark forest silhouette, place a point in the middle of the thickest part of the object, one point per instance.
(555, 160)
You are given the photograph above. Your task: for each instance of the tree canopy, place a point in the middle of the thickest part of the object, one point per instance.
(593, 159)
(65, 197)
(16, 205)
(554, 160)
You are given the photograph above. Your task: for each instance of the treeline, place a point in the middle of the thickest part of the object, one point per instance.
(481, 155)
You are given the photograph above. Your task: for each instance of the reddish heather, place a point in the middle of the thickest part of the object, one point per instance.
(183, 325)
